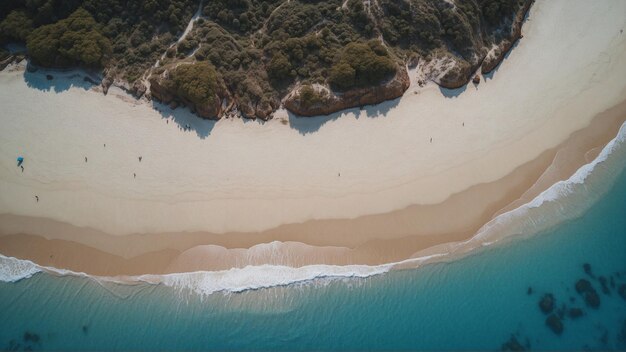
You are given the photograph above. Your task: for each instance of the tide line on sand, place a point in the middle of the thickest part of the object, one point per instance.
(263, 276)
(235, 176)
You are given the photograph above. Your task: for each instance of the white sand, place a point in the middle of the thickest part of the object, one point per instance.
(248, 176)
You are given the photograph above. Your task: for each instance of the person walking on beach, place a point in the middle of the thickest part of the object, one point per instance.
(85, 159)
(431, 139)
(134, 175)
(37, 198)
(139, 158)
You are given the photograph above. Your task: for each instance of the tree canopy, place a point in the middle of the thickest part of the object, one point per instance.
(279, 67)
(258, 49)
(361, 65)
(196, 82)
(76, 40)
(16, 26)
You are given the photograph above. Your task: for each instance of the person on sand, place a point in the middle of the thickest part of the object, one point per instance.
(85, 159)
(134, 175)
(140, 159)
(37, 198)
(431, 139)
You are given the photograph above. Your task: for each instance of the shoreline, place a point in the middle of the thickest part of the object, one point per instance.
(290, 188)
(602, 172)
(368, 240)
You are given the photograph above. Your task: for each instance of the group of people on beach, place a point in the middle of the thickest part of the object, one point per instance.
(21, 161)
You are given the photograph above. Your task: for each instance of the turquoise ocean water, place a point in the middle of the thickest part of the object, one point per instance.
(478, 302)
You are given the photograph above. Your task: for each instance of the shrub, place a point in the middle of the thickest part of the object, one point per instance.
(196, 82)
(75, 40)
(16, 26)
(279, 68)
(361, 65)
(342, 76)
(309, 96)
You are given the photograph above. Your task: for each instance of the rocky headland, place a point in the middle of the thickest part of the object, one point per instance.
(312, 58)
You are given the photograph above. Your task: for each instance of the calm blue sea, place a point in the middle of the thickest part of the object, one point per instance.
(475, 303)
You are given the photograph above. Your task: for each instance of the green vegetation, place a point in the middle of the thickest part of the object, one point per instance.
(496, 11)
(362, 65)
(258, 49)
(279, 67)
(242, 16)
(76, 40)
(197, 82)
(16, 27)
(310, 97)
(139, 31)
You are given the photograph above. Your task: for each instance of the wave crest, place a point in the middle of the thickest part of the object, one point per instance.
(264, 276)
(261, 276)
(13, 270)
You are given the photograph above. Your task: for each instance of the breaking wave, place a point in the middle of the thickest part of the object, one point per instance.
(13, 270)
(510, 223)
(261, 276)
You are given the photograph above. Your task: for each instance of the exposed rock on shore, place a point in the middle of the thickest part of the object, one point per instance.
(138, 89)
(265, 53)
(328, 102)
(11, 59)
(499, 51)
(163, 89)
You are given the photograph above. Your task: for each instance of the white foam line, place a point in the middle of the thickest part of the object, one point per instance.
(265, 276)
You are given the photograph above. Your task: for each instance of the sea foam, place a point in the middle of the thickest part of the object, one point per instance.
(261, 276)
(12, 269)
(567, 187)
(264, 276)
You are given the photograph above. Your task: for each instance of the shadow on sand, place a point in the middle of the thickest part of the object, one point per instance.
(185, 119)
(453, 93)
(60, 80)
(305, 125)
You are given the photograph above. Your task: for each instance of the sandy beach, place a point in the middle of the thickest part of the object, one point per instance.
(369, 186)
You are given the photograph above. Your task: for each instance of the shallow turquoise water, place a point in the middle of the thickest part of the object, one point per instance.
(476, 302)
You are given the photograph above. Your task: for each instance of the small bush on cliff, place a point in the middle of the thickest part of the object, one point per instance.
(196, 82)
(309, 96)
(361, 65)
(75, 40)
